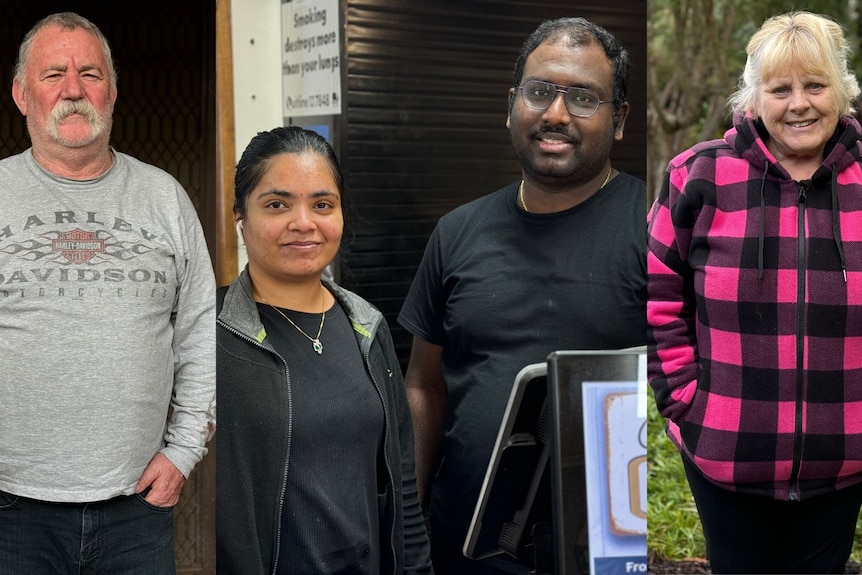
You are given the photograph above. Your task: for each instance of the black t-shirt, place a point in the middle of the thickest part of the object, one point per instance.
(330, 521)
(499, 289)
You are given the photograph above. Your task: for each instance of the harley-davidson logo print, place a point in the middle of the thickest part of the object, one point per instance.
(78, 246)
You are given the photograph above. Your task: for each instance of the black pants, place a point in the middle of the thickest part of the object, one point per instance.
(750, 534)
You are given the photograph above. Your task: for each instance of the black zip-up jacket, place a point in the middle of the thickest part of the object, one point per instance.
(254, 404)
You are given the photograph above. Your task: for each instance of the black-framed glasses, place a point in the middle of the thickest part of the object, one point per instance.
(580, 102)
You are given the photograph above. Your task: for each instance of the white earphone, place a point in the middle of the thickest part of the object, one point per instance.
(239, 232)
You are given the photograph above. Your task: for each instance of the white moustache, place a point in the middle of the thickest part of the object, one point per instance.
(68, 107)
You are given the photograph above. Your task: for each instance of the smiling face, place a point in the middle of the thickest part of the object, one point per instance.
(66, 93)
(293, 222)
(553, 146)
(800, 112)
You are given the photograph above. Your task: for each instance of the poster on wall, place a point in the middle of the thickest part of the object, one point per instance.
(311, 66)
(616, 462)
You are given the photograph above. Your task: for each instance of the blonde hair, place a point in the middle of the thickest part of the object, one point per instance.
(810, 43)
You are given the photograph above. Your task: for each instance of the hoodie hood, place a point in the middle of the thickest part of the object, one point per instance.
(748, 138)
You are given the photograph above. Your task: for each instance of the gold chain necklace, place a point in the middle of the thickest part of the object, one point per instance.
(521, 189)
(315, 341)
(521, 196)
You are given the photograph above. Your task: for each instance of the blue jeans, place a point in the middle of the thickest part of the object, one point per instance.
(124, 535)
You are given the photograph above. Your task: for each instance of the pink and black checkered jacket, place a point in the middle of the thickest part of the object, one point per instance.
(755, 314)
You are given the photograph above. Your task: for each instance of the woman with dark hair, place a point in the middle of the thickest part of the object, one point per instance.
(755, 309)
(315, 444)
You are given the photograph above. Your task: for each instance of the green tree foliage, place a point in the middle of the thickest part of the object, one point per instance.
(696, 54)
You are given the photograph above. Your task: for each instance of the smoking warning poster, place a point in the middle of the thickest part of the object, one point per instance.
(311, 67)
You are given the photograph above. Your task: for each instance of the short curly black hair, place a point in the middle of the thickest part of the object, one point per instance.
(579, 32)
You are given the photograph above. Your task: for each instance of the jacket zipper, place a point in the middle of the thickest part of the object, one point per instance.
(793, 495)
(289, 437)
(387, 437)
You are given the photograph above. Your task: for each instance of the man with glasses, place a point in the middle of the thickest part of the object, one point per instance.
(554, 261)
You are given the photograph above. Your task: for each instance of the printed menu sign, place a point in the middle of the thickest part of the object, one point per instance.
(616, 468)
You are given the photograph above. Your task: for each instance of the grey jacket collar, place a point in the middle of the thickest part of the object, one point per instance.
(239, 311)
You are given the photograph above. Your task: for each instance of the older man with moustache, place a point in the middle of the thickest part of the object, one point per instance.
(107, 349)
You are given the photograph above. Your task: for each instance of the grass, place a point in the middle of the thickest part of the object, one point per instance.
(673, 527)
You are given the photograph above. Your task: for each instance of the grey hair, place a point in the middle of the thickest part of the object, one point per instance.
(67, 21)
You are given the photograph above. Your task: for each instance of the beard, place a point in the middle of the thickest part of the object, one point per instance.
(581, 167)
(98, 124)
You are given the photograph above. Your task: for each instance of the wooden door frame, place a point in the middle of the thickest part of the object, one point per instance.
(226, 260)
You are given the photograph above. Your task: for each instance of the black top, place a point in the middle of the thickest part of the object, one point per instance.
(254, 447)
(330, 522)
(499, 289)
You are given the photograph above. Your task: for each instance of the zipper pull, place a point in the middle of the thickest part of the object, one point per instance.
(803, 193)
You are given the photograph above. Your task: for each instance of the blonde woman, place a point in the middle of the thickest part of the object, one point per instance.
(755, 309)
